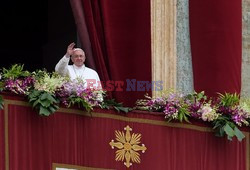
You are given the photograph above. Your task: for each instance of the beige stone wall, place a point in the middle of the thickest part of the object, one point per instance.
(245, 91)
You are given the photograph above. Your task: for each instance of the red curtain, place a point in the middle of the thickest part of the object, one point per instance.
(119, 33)
(36, 142)
(216, 45)
(83, 32)
(30, 139)
(2, 138)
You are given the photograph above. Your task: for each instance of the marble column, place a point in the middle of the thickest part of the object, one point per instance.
(184, 59)
(171, 57)
(245, 74)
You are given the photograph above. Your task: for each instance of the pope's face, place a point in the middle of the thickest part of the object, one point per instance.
(78, 58)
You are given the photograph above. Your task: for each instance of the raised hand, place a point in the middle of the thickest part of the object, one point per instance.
(70, 49)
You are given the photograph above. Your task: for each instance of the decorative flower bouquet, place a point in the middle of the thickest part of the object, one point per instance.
(16, 80)
(52, 89)
(73, 92)
(45, 91)
(225, 113)
(42, 96)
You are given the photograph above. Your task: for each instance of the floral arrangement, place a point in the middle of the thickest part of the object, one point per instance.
(226, 113)
(16, 80)
(73, 92)
(46, 91)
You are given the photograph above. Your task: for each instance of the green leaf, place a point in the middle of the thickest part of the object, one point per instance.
(80, 102)
(45, 103)
(44, 111)
(123, 109)
(2, 85)
(104, 106)
(51, 98)
(229, 138)
(186, 119)
(217, 125)
(229, 131)
(238, 134)
(229, 100)
(180, 117)
(32, 99)
(36, 102)
(1, 102)
(34, 94)
(44, 96)
(220, 132)
(53, 108)
(15, 71)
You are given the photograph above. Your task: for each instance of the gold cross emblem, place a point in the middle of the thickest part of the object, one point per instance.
(128, 146)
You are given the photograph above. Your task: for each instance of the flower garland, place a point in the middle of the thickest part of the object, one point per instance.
(225, 113)
(72, 92)
(46, 91)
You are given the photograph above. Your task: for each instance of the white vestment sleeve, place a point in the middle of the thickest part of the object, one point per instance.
(62, 66)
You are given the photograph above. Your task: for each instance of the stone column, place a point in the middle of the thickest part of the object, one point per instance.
(184, 59)
(245, 74)
(171, 58)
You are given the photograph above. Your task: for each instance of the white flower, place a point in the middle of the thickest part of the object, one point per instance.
(99, 97)
(208, 113)
(49, 83)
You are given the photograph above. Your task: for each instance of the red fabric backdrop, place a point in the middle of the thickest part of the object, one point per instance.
(36, 142)
(119, 33)
(2, 150)
(216, 38)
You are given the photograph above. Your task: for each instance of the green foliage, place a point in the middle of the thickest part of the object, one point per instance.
(43, 101)
(223, 126)
(183, 114)
(14, 72)
(229, 100)
(1, 102)
(141, 104)
(1, 85)
(117, 106)
(194, 97)
(75, 100)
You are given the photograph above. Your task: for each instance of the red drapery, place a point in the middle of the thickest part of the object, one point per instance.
(119, 33)
(216, 45)
(2, 146)
(68, 138)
